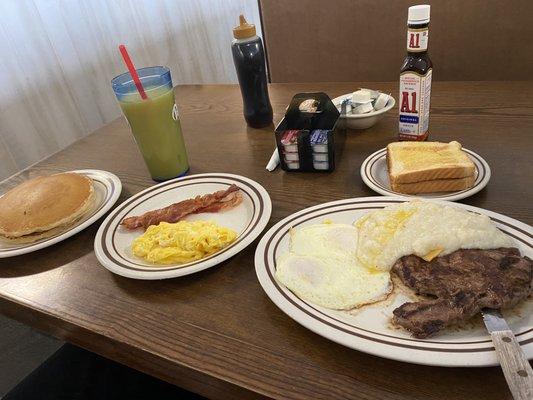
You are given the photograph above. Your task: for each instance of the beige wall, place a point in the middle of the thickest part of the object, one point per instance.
(58, 57)
(364, 40)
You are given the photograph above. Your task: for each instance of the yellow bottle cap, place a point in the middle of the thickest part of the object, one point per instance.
(244, 30)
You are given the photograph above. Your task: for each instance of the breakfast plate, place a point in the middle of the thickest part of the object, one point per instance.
(107, 189)
(369, 329)
(113, 243)
(375, 176)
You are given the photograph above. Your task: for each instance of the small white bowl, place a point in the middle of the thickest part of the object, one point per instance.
(361, 121)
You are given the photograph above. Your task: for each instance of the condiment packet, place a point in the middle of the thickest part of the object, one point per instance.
(363, 108)
(320, 157)
(373, 93)
(320, 165)
(361, 96)
(289, 141)
(291, 157)
(293, 165)
(381, 101)
(319, 141)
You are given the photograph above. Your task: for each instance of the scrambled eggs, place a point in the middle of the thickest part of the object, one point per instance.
(182, 242)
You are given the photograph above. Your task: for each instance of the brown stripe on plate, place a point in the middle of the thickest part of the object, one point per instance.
(382, 334)
(361, 335)
(177, 184)
(244, 234)
(106, 198)
(370, 164)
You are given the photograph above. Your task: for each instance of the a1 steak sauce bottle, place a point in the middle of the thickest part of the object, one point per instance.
(415, 77)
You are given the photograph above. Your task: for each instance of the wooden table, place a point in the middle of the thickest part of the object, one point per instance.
(216, 332)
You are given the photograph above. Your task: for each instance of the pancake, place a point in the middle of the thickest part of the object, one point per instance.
(44, 206)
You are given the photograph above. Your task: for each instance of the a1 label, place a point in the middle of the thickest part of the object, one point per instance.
(417, 40)
(415, 93)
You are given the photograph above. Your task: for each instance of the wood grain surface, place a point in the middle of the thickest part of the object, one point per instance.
(216, 332)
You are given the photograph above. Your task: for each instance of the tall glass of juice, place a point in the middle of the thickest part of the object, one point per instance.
(154, 121)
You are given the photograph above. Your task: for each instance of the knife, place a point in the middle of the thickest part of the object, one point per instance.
(516, 369)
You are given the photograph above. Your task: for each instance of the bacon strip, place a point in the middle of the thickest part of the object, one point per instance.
(213, 202)
(231, 200)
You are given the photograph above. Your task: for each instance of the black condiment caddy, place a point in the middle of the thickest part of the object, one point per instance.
(314, 140)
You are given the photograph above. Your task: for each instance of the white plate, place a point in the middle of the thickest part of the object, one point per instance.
(107, 190)
(112, 243)
(375, 176)
(369, 329)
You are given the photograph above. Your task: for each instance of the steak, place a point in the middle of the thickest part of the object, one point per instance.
(463, 283)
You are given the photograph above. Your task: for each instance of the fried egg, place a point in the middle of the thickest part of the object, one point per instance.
(181, 242)
(425, 229)
(326, 239)
(321, 267)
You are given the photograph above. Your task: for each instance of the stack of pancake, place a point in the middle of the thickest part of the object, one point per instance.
(44, 207)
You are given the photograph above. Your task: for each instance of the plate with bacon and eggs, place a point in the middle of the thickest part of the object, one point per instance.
(182, 226)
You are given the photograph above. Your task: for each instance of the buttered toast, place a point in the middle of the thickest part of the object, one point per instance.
(435, 185)
(425, 167)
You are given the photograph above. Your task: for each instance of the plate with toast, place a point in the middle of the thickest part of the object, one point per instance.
(431, 170)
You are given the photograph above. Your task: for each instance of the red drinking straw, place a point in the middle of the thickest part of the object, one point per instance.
(132, 70)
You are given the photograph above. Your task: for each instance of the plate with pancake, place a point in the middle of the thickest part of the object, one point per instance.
(183, 226)
(45, 210)
(400, 278)
(431, 170)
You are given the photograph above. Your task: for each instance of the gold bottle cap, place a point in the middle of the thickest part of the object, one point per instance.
(244, 30)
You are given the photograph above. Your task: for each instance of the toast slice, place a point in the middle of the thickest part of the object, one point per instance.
(434, 186)
(410, 162)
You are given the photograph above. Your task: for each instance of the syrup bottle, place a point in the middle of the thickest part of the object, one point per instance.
(249, 60)
(415, 77)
